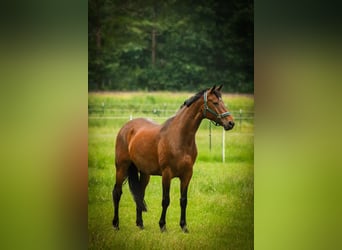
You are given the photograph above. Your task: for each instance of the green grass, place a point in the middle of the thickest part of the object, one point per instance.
(220, 196)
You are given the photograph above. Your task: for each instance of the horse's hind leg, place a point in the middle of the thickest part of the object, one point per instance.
(117, 191)
(144, 179)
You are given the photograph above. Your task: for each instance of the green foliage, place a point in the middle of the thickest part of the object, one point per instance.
(220, 196)
(196, 44)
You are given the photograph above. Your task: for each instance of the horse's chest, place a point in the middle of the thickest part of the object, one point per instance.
(177, 159)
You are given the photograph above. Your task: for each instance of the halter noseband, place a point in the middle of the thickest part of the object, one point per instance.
(206, 108)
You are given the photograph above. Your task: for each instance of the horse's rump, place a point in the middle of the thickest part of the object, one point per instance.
(137, 143)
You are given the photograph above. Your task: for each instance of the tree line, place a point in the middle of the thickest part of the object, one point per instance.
(170, 45)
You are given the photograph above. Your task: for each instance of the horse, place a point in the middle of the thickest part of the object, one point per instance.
(144, 148)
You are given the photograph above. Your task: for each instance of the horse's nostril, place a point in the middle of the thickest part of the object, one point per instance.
(231, 123)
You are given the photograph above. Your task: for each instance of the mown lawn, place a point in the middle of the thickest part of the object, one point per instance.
(220, 196)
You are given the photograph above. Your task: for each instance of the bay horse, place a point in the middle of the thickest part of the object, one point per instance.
(168, 150)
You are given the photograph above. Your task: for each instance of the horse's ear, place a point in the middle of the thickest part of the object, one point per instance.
(212, 89)
(220, 87)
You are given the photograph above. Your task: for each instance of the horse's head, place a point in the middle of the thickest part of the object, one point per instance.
(215, 110)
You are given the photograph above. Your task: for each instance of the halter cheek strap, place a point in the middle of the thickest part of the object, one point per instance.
(206, 108)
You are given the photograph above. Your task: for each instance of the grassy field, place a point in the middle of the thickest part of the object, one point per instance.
(220, 196)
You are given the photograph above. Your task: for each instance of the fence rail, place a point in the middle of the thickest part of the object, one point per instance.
(148, 108)
(154, 117)
(152, 111)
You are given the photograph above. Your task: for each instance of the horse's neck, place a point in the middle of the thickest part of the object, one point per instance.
(187, 122)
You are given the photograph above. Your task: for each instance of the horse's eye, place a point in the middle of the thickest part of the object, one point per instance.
(216, 103)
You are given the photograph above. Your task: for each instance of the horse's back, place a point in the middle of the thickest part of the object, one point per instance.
(130, 129)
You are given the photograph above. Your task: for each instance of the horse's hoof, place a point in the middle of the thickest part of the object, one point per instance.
(140, 224)
(115, 225)
(185, 229)
(163, 229)
(116, 228)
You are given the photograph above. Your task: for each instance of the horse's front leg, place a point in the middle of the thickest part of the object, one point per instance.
(184, 200)
(166, 181)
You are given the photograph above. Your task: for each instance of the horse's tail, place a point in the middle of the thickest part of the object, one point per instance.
(135, 187)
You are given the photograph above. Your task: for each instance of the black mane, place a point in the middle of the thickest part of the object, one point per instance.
(194, 98)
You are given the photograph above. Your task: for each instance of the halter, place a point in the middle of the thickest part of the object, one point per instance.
(206, 108)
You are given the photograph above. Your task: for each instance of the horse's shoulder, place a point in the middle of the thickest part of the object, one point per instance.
(167, 124)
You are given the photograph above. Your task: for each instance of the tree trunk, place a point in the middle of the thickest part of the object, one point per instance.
(98, 55)
(154, 44)
(98, 38)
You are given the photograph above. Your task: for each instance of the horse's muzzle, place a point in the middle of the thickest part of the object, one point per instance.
(229, 125)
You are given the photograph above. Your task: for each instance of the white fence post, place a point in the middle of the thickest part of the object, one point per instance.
(210, 136)
(240, 119)
(223, 145)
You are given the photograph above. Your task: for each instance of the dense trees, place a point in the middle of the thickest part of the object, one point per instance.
(172, 44)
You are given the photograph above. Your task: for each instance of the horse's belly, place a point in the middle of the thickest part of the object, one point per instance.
(146, 164)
